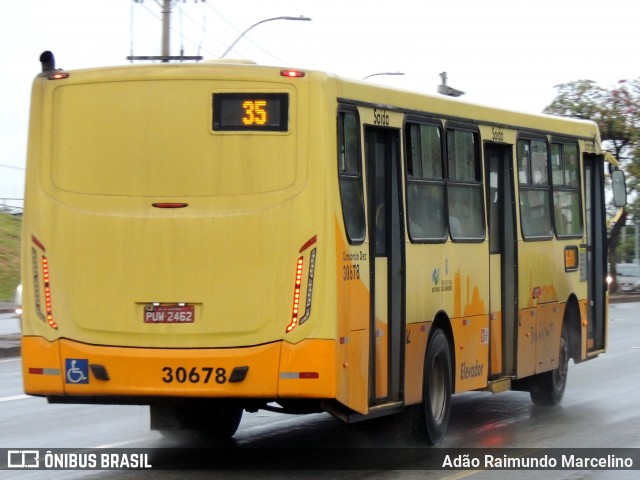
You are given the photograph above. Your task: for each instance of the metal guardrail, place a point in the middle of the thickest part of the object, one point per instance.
(12, 206)
(7, 307)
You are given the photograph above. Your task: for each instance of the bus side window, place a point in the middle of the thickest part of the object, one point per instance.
(566, 190)
(533, 174)
(350, 176)
(426, 212)
(464, 186)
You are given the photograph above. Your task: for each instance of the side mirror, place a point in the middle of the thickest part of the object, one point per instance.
(619, 186)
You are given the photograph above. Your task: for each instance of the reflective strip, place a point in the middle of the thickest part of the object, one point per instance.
(299, 375)
(44, 371)
(312, 269)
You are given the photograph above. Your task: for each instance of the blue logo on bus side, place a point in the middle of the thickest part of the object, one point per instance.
(76, 370)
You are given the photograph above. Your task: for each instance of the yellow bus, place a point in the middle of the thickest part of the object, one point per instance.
(218, 237)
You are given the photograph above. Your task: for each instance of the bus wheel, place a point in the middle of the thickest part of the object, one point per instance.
(214, 419)
(436, 387)
(548, 388)
(220, 420)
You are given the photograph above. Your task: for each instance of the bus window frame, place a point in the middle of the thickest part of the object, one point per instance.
(576, 189)
(529, 186)
(424, 181)
(477, 184)
(351, 177)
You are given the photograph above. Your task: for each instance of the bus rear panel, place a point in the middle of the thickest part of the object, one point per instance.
(170, 249)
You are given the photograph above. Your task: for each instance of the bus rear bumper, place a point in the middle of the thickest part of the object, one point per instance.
(274, 370)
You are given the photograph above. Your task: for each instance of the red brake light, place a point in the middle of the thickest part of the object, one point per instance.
(47, 293)
(296, 319)
(170, 205)
(58, 75)
(296, 296)
(292, 73)
(309, 242)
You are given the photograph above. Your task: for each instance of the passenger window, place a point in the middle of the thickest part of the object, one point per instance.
(426, 213)
(350, 176)
(567, 205)
(464, 186)
(533, 174)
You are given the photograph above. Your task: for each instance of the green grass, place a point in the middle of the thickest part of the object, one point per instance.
(9, 255)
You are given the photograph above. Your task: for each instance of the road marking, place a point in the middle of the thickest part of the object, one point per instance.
(15, 397)
(624, 306)
(120, 444)
(7, 360)
(458, 476)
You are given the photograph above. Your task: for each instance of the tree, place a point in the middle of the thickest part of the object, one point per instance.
(617, 113)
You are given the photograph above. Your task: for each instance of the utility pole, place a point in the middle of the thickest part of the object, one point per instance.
(166, 39)
(166, 27)
(636, 256)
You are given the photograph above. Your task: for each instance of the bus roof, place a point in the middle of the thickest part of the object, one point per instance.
(357, 92)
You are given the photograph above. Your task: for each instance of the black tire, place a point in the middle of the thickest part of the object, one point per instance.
(213, 419)
(436, 387)
(221, 421)
(548, 388)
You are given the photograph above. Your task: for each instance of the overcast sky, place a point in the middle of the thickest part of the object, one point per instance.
(507, 53)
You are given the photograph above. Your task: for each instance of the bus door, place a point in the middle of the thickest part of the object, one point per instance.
(595, 252)
(382, 157)
(502, 260)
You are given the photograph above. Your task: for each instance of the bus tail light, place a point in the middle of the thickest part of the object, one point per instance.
(292, 73)
(312, 268)
(297, 297)
(48, 62)
(42, 265)
(47, 293)
(58, 75)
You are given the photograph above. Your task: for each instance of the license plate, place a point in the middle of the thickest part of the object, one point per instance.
(173, 313)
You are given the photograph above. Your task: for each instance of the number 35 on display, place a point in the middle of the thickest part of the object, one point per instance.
(255, 112)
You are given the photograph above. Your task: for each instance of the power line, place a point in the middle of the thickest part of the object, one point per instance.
(166, 6)
(180, 32)
(208, 5)
(202, 26)
(11, 166)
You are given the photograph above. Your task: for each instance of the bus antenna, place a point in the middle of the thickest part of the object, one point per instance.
(48, 61)
(445, 89)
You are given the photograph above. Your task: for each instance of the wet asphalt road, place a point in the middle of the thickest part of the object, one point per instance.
(601, 408)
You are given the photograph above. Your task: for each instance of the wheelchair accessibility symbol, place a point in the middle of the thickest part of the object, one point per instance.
(77, 370)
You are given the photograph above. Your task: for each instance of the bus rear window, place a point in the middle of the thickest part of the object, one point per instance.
(150, 138)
